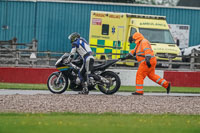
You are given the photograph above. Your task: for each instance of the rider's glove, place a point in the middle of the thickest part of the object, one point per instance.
(67, 61)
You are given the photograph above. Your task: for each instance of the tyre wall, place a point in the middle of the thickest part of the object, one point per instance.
(40, 76)
(186, 79)
(25, 75)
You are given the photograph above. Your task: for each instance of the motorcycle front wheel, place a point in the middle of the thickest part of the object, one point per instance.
(57, 83)
(113, 85)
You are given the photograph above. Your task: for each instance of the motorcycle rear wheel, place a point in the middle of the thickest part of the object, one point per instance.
(114, 83)
(59, 87)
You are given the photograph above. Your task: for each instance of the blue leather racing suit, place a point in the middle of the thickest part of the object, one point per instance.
(81, 47)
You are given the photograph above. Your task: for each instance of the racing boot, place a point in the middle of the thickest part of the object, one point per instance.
(168, 88)
(85, 90)
(136, 93)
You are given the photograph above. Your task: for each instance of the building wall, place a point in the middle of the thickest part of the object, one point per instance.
(20, 19)
(51, 22)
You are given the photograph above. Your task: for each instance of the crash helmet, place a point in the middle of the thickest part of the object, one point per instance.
(74, 36)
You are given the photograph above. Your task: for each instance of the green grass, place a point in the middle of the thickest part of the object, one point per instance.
(98, 123)
(23, 86)
(161, 89)
(123, 88)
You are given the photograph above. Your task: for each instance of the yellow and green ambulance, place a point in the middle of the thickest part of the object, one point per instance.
(110, 31)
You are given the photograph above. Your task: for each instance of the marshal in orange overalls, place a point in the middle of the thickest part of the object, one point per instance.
(143, 49)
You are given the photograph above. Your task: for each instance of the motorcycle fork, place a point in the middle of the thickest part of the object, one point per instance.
(57, 81)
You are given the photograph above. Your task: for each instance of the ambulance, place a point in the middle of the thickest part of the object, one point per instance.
(110, 32)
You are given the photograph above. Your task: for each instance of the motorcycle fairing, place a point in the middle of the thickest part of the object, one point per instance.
(102, 67)
(64, 68)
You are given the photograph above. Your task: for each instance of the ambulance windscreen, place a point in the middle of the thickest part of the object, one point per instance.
(157, 35)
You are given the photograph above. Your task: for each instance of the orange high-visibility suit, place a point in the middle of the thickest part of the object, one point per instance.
(143, 48)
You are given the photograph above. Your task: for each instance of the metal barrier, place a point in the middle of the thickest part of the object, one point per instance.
(13, 54)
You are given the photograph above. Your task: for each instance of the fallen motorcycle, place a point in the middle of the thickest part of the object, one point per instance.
(108, 82)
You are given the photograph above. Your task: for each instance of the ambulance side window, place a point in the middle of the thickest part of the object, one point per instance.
(133, 30)
(105, 29)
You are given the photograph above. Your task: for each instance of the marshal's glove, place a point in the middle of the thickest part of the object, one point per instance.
(128, 56)
(147, 59)
(123, 58)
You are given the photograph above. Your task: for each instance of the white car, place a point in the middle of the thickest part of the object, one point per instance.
(187, 52)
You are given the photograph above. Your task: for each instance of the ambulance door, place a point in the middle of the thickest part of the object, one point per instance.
(120, 41)
(132, 31)
(131, 46)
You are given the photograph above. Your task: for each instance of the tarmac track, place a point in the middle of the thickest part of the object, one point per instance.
(34, 92)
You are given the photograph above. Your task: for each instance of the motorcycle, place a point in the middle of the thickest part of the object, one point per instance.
(108, 82)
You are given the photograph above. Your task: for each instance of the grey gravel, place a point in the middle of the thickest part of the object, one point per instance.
(44, 103)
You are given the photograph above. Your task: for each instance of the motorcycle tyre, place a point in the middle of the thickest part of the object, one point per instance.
(118, 83)
(57, 92)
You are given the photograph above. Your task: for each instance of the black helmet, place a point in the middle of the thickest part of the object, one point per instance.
(74, 36)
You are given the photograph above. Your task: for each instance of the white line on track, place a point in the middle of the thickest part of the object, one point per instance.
(34, 92)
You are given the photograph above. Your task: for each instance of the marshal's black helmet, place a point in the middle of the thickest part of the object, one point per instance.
(74, 36)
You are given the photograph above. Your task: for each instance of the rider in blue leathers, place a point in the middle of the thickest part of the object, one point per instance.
(80, 46)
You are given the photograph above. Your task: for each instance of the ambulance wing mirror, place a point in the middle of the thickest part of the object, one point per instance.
(130, 39)
(177, 42)
(118, 41)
